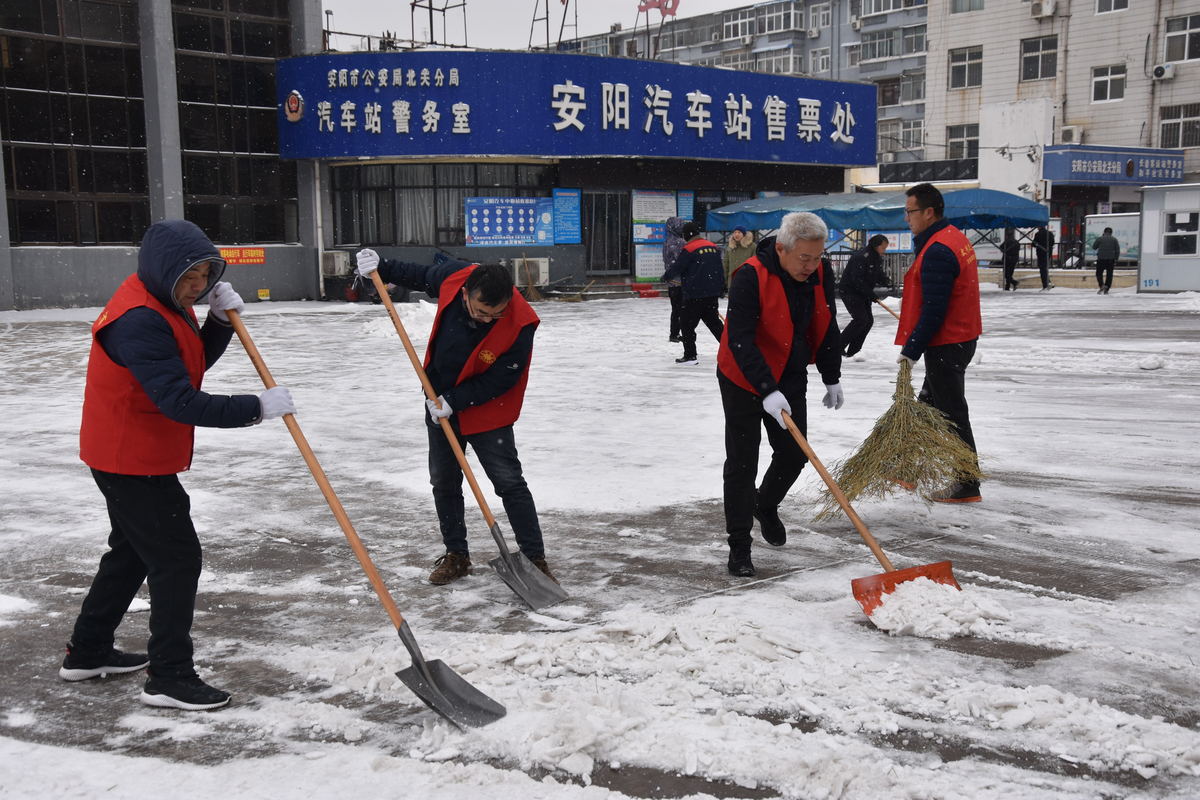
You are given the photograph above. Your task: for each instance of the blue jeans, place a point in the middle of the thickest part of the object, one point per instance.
(497, 452)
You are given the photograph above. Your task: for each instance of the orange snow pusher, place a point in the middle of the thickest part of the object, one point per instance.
(869, 591)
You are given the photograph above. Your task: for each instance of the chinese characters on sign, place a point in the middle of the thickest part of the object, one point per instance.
(506, 221)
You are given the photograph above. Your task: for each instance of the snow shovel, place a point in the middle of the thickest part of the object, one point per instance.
(515, 569)
(869, 591)
(885, 308)
(438, 686)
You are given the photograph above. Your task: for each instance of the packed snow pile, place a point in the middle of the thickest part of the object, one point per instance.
(931, 610)
(417, 319)
(12, 605)
(1152, 362)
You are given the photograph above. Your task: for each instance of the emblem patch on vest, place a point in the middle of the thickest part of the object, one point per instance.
(487, 356)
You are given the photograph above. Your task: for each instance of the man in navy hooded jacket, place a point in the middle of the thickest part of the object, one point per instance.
(141, 404)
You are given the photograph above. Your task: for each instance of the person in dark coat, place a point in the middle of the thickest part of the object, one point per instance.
(477, 361)
(863, 272)
(782, 317)
(671, 249)
(1010, 253)
(701, 271)
(1043, 246)
(141, 404)
(1108, 250)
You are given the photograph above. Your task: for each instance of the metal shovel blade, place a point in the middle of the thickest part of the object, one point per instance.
(529, 582)
(445, 691)
(869, 591)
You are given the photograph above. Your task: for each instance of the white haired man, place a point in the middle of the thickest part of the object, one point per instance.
(781, 319)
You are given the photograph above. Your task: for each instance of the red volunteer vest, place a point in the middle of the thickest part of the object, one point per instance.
(506, 408)
(122, 430)
(773, 336)
(696, 244)
(963, 321)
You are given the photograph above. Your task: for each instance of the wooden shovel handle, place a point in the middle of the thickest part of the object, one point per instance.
(311, 459)
(885, 308)
(837, 493)
(416, 362)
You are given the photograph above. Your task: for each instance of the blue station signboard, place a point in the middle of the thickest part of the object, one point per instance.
(455, 103)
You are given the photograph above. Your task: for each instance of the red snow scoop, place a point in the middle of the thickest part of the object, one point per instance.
(438, 686)
(869, 591)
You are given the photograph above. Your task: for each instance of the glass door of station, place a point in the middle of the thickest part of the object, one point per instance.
(607, 232)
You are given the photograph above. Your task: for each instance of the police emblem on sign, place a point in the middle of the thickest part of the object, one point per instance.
(487, 356)
(293, 107)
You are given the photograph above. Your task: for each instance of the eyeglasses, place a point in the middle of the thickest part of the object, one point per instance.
(477, 314)
(908, 211)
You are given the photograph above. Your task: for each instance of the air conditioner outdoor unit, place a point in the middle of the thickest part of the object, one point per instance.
(1163, 72)
(746, 40)
(539, 271)
(335, 263)
(1041, 8)
(887, 158)
(814, 33)
(855, 24)
(1071, 134)
(716, 37)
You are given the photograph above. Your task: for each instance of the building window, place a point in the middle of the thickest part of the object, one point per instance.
(1183, 38)
(818, 60)
(777, 62)
(1108, 83)
(962, 141)
(1039, 58)
(888, 136)
(912, 136)
(914, 39)
(867, 8)
(742, 61)
(853, 55)
(1180, 232)
(880, 44)
(1180, 126)
(740, 23)
(889, 92)
(1104, 6)
(905, 89)
(966, 67)
(820, 16)
(963, 6)
(779, 17)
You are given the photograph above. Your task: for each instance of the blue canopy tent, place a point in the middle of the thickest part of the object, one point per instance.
(980, 209)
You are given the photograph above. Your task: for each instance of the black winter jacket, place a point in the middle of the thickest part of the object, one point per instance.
(702, 272)
(863, 272)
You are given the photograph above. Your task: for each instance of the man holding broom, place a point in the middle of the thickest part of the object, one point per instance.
(478, 363)
(940, 318)
(781, 319)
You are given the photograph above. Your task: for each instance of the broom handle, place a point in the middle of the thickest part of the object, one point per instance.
(885, 308)
(310, 458)
(837, 493)
(416, 362)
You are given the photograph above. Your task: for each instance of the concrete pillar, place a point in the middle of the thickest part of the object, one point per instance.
(164, 164)
(6, 273)
(308, 38)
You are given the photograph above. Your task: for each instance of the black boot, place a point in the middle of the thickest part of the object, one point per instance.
(773, 532)
(740, 564)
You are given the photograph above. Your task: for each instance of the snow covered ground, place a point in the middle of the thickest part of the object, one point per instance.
(1070, 670)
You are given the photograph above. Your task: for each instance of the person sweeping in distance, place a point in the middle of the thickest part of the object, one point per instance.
(940, 319)
(781, 319)
(141, 404)
(478, 363)
(864, 271)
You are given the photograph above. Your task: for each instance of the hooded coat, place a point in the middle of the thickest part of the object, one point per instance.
(674, 243)
(138, 354)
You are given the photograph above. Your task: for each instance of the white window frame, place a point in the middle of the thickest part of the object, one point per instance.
(964, 140)
(820, 16)
(1113, 5)
(887, 136)
(740, 23)
(1109, 79)
(1182, 36)
(779, 17)
(853, 55)
(819, 60)
(1194, 235)
(967, 6)
(1184, 124)
(1041, 53)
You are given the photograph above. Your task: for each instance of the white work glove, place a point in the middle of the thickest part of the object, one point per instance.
(834, 396)
(775, 404)
(224, 298)
(439, 413)
(904, 358)
(368, 262)
(276, 402)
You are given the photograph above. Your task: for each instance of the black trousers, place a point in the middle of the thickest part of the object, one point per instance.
(153, 540)
(861, 321)
(1009, 281)
(1105, 266)
(945, 385)
(695, 310)
(744, 421)
(676, 294)
(1043, 260)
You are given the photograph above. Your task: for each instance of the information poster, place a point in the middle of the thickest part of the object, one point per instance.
(651, 210)
(685, 205)
(648, 262)
(509, 221)
(568, 226)
(898, 241)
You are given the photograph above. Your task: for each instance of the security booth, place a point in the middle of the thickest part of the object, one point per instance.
(570, 160)
(1170, 230)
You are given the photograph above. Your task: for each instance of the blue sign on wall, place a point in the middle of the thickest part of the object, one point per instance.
(501, 221)
(455, 103)
(568, 228)
(1096, 165)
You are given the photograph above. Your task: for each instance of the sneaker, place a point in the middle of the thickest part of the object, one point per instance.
(957, 493)
(688, 360)
(190, 694)
(773, 532)
(540, 563)
(740, 565)
(450, 567)
(79, 666)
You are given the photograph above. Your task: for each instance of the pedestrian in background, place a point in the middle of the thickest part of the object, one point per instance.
(1043, 245)
(671, 248)
(1010, 253)
(1108, 250)
(863, 272)
(699, 269)
(740, 247)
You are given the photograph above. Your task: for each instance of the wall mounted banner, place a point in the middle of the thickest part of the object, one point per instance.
(568, 225)
(506, 221)
(456, 103)
(1097, 165)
